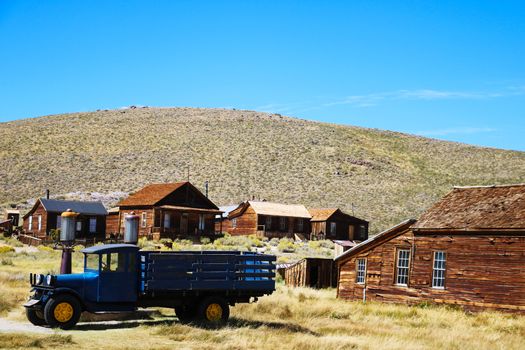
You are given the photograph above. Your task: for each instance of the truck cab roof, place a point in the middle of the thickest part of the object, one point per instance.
(110, 248)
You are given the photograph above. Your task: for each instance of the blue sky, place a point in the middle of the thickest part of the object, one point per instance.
(453, 70)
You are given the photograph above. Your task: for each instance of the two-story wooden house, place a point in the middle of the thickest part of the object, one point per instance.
(170, 210)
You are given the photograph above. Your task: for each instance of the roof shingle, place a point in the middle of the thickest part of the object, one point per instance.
(477, 208)
(151, 194)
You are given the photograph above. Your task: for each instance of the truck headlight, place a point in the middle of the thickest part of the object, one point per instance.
(49, 278)
(39, 279)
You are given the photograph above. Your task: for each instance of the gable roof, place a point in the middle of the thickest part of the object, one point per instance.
(322, 214)
(272, 209)
(377, 239)
(60, 206)
(151, 194)
(477, 208)
(279, 209)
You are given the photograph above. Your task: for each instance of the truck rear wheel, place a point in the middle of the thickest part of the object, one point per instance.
(36, 317)
(213, 311)
(62, 311)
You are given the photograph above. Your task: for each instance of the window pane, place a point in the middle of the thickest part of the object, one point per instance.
(361, 271)
(403, 259)
(92, 225)
(92, 261)
(438, 272)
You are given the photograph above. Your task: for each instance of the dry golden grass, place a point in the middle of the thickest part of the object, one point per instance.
(298, 318)
(388, 176)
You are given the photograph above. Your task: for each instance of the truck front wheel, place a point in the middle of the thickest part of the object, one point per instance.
(213, 311)
(62, 311)
(36, 317)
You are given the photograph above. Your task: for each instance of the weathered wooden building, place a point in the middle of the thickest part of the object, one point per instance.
(334, 224)
(45, 216)
(269, 220)
(170, 210)
(311, 272)
(468, 250)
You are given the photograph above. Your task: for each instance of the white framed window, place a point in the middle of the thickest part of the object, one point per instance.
(361, 271)
(92, 225)
(234, 223)
(143, 219)
(167, 220)
(202, 222)
(79, 226)
(402, 267)
(30, 223)
(39, 222)
(282, 223)
(438, 271)
(268, 223)
(59, 221)
(300, 225)
(333, 228)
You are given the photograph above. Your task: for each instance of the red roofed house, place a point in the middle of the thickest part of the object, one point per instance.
(468, 250)
(170, 210)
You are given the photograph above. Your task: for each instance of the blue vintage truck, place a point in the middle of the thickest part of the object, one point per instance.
(200, 286)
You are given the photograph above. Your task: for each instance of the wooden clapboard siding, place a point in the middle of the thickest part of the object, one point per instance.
(33, 230)
(112, 223)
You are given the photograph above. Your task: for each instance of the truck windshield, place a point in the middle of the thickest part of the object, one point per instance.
(92, 261)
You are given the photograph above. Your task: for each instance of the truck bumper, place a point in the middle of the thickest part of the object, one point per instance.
(32, 303)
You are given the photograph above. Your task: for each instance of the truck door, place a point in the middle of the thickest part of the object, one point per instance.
(118, 277)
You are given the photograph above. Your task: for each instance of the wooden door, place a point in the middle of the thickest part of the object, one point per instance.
(184, 224)
(350, 232)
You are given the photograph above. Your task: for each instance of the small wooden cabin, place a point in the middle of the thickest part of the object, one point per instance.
(45, 216)
(170, 210)
(268, 219)
(311, 272)
(468, 250)
(334, 224)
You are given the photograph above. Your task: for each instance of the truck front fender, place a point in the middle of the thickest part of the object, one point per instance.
(62, 290)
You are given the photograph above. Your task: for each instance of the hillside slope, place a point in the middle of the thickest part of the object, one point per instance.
(387, 176)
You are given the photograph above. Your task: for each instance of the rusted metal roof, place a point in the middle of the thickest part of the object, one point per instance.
(151, 194)
(477, 208)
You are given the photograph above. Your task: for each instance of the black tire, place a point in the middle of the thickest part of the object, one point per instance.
(213, 311)
(69, 309)
(35, 316)
(185, 313)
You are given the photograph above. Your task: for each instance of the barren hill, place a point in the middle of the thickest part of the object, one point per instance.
(383, 176)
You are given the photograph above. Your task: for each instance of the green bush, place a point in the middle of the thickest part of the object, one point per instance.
(286, 246)
(6, 249)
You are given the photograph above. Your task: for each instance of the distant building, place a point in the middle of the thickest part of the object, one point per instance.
(334, 224)
(311, 272)
(467, 249)
(170, 210)
(269, 220)
(45, 216)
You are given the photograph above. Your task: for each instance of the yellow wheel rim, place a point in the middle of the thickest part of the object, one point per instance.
(214, 312)
(63, 312)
